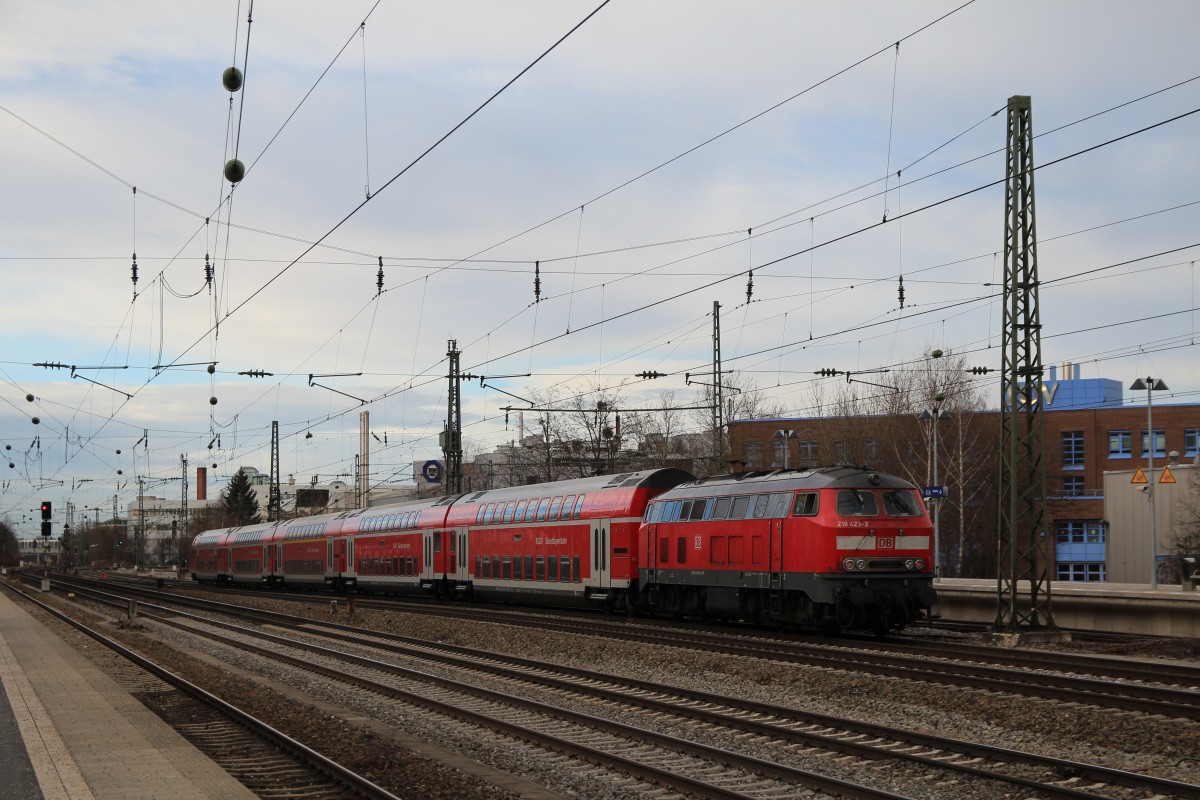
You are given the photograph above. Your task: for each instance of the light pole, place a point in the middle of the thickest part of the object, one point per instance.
(933, 415)
(1150, 385)
(787, 434)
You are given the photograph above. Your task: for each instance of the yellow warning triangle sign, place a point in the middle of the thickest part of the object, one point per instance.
(1167, 477)
(1139, 477)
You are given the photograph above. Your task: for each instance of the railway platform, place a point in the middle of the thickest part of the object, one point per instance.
(69, 732)
(1126, 608)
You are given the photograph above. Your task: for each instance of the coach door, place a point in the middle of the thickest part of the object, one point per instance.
(427, 560)
(775, 552)
(456, 555)
(601, 567)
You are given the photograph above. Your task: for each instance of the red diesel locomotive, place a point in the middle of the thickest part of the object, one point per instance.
(833, 548)
(838, 548)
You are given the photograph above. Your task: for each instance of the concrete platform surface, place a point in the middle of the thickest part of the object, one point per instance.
(69, 732)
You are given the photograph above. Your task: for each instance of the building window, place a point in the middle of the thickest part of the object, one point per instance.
(1080, 531)
(1120, 444)
(842, 448)
(1073, 486)
(753, 454)
(1087, 571)
(808, 453)
(1072, 449)
(1160, 443)
(779, 453)
(1191, 441)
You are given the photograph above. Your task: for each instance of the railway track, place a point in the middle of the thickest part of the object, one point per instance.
(1166, 689)
(770, 728)
(268, 762)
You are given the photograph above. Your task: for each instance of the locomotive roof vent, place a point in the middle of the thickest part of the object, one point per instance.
(874, 479)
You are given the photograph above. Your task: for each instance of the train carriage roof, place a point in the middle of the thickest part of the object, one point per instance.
(463, 510)
(787, 480)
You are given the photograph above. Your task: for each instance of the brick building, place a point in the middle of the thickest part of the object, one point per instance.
(1091, 430)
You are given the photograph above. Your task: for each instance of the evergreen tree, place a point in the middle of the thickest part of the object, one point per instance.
(241, 501)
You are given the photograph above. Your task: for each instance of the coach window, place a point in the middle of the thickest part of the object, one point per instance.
(575, 568)
(519, 514)
(760, 506)
(579, 506)
(508, 511)
(740, 504)
(567, 507)
(528, 568)
(437, 543)
(551, 568)
(517, 575)
(479, 565)
(681, 549)
(506, 567)
(555, 507)
(479, 515)
(853, 503)
(721, 509)
(901, 504)
(806, 505)
(542, 507)
(531, 510)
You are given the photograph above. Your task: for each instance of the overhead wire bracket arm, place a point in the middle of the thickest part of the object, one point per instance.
(98, 383)
(311, 382)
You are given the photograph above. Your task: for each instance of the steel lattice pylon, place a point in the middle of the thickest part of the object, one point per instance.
(1022, 544)
(274, 498)
(452, 438)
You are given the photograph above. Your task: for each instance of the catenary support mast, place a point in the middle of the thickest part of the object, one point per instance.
(1022, 543)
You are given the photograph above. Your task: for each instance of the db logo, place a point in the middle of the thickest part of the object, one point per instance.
(886, 542)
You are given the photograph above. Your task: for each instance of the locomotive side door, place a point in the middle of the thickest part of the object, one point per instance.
(651, 555)
(601, 544)
(775, 552)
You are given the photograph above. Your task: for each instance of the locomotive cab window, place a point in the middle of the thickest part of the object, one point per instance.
(856, 503)
(806, 505)
(901, 504)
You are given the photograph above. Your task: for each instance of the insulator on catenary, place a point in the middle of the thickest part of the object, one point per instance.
(750, 286)
(901, 292)
(537, 281)
(379, 279)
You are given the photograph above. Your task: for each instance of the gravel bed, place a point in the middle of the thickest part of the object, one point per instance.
(1134, 742)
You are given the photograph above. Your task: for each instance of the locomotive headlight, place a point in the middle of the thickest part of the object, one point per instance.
(909, 564)
(920, 563)
(860, 564)
(848, 565)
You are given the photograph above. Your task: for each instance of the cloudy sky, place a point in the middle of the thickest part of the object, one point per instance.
(645, 163)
